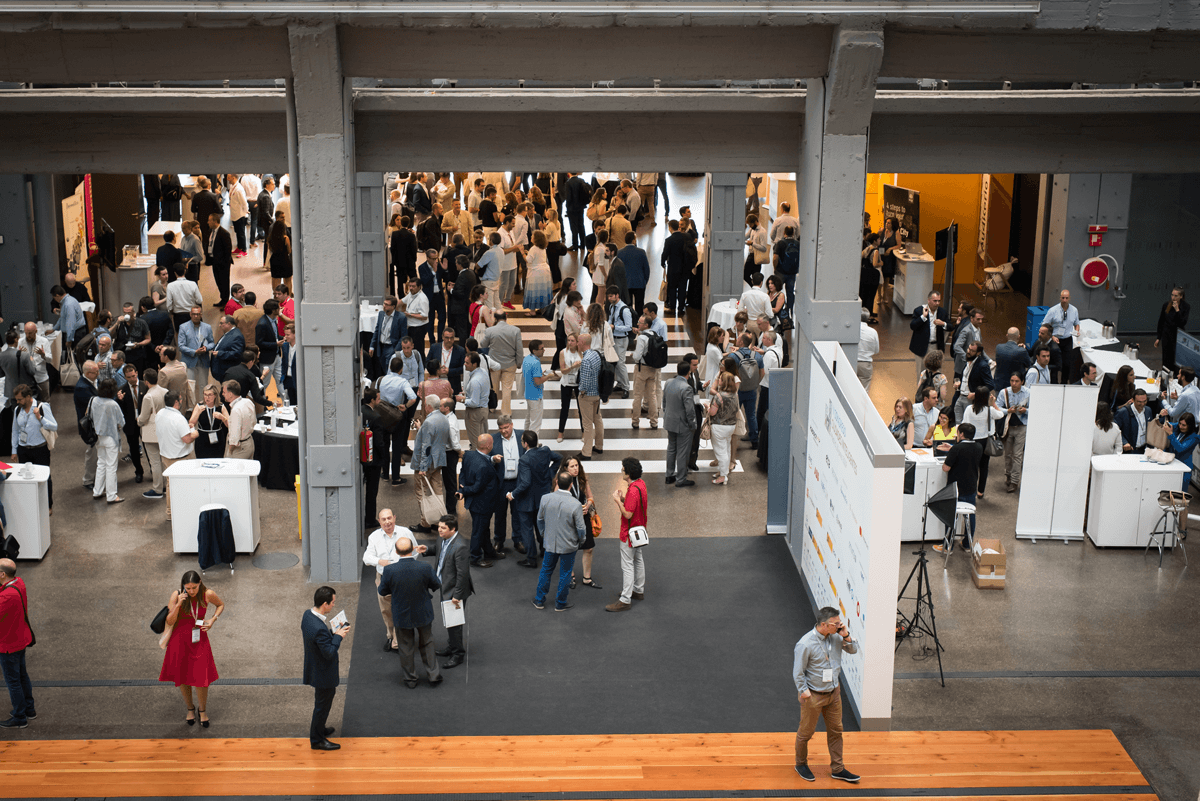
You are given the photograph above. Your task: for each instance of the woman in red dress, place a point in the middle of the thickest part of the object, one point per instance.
(189, 660)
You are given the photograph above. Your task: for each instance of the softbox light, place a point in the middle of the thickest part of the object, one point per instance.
(944, 503)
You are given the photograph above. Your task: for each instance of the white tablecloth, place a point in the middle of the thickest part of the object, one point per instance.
(367, 314)
(1109, 362)
(722, 313)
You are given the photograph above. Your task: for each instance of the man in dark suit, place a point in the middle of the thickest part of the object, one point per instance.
(454, 571)
(1133, 421)
(85, 390)
(928, 326)
(287, 355)
(451, 356)
(167, 254)
(153, 194)
(977, 373)
(479, 487)
(506, 453)
(418, 196)
(321, 665)
(1011, 357)
(130, 402)
(220, 257)
(535, 478)
(672, 263)
(403, 248)
(204, 205)
(162, 329)
(577, 195)
(409, 582)
(1045, 340)
(247, 373)
(229, 349)
(390, 324)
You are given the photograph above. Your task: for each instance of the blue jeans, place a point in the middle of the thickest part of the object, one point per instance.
(20, 690)
(749, 400)
(789, 286)
(564, 577)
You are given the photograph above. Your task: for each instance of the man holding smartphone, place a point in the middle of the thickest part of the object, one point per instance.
(817, 666)
(321, 664)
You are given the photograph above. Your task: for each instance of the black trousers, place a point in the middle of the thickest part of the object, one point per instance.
(637, 299)
(417, 334)
(481, 543)
(133, 435)
(578, 232)
(696, 439)
(437, 312)
(322, 704)
(221, 277)
(455, 634)
(501, 513)
(253, 220)
(450, 480)
(400, 449)
(567, 394)
(677, 287)
(371, 474)
(239, 229)
(38, 454)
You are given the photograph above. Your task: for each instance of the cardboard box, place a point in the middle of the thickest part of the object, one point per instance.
(998, 559)
(987, 577)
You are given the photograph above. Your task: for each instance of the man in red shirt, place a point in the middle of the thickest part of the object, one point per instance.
(236, 293)
(631, 500)
(15, 637)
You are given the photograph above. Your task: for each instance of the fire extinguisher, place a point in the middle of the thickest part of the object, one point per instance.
(366, 445)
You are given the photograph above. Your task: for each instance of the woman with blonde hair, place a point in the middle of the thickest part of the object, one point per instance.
(722, 413)
(902, 423)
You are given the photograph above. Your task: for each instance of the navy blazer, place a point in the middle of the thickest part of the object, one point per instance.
(228, 353)
(399, 329)
(981, 375)
(266, 337)
(1011, 357)
(478, 483)
(458, 356)
(320, 652)
(409, 582)
(1127, 421)
(498, 450)
(535, 473)
(919, 342)
(84, 392)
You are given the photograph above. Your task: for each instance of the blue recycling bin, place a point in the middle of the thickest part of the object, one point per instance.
(1033, 321)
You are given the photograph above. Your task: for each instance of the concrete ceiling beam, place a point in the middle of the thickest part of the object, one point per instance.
(142, 101)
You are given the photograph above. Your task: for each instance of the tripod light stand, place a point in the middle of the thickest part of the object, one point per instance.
(943, 504)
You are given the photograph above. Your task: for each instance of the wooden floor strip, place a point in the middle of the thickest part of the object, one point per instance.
(1031, 765)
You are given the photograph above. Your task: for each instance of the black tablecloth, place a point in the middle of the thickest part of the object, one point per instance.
(279, 456)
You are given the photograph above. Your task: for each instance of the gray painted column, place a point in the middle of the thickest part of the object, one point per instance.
(327, 295)
(831, 183)
(370, 211)
(725, 232)
(1077, 201)
(18, 299)
(47, 235)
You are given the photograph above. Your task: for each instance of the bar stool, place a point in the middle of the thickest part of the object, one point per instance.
(962, 512)
(1174, 505)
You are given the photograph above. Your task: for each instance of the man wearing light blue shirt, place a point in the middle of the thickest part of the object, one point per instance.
(489, 265)
(1189, 397)
(1015, 401)
(70, 315)
(196, 342)
(925, 417)
(816, 671)
(398, 391)
(476, 389)
(620, 317)
(28, 440)
(1063, 320)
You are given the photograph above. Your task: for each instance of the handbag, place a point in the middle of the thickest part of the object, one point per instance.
(493, 398)
(433, 506)
(159, 624)
(1156, 436)
(597, 526)
(662, 292)
(87, 428)
(740, 429)
(549, 312)
(51, 437)
(638, 538)
(992, 446)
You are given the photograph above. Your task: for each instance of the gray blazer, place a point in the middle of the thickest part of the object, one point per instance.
(679, 406)
(560, 520)
(503, 341)
(433, 438)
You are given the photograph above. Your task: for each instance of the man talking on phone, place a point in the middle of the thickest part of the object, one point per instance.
(817, 667)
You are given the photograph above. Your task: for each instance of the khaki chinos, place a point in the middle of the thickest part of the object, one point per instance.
(821, 705)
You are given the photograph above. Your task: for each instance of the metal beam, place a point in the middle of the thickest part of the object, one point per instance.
(569, 101)
(143, 101)
(1024, 103)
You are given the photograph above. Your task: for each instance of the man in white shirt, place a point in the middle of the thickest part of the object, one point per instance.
(508, 262)
(176, 437)
(239, 444)
(772, 354)
(415, 306)
(38, 348)
(285, 205)
(868, 346)
(182, 295)
(381, 552)
(754, 300)
(521, 225)
(239, 212)
(252, 186)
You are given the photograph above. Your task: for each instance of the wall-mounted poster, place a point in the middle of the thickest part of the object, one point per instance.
(905, 206)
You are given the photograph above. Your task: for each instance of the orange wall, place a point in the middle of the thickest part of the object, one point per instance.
(946, 199)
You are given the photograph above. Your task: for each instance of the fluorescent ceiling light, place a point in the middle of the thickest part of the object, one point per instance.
(875, 8)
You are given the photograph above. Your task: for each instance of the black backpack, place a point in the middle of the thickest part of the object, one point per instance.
(789, 262)
(87, 429)
(656, 351)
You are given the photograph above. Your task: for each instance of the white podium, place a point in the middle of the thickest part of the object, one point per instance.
(928, 478)
(1124, 501)
(913, 281)
(27, 508)
(232, 483)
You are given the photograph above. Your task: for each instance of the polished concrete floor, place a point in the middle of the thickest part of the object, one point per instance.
(1067, 644)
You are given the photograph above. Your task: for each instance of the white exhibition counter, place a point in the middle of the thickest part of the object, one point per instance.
(1123, 508)
(196, 483)
(27, 508)
(913, 281)
(928, 478)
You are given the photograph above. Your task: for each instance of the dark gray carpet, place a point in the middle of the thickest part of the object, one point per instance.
(710, 649)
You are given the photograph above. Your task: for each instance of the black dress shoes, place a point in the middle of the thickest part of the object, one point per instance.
(452, 662)
(480, 563)
(443, 652)
(670, 479)
(528, 563)
(518, 547)
(325, 745)
(687, 482)
(329, 730)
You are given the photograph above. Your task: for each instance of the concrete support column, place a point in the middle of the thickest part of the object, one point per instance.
(18, 277)
(830, 187)
(725, 230)
(47, 229)
(327, 295)
(1077, 201)
(370, 212)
